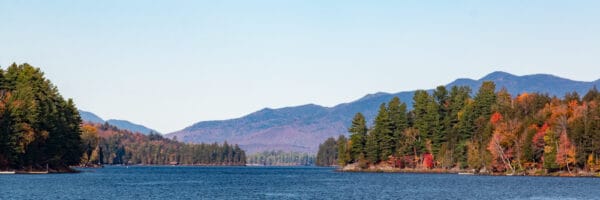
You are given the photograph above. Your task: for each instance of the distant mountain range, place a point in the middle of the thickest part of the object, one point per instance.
(302, 128)
(121, 124)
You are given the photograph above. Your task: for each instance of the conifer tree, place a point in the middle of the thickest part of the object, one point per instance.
(358, 136)
(383, 133)
(399, 122)
(343, 150)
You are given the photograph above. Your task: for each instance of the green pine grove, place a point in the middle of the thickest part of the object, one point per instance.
(38, 127)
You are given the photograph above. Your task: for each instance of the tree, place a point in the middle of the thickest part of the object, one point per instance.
(358, 136)
(399, 122)
(502, 143)
(484, 99)
(592, 95)
(90, 138)
(426, 118)
(372, 148)
(343, 151)
(412, 141)
(382, 135)
(565, 155)
(550, 150)
(327, 154)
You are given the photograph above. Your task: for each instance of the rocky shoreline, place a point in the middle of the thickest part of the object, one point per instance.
(386, 168)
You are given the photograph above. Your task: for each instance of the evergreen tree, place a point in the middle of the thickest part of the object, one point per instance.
(358, 136)
(484, 99)
(399, 122)
(327, 154)
(383, 133)
(427, 120)
(459, 132)
(591, 95)
(419, 116)
(372, 148)
(343, 151)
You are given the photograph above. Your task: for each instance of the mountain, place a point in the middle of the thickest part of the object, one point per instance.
(121, 124)
(90, 117)
(127, 125)
(302, 128)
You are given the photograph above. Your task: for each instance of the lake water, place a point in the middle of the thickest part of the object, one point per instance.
(285, 183)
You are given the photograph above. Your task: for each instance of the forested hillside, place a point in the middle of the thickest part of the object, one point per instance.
(38, 127)
(106, 144)
(41, 130)
(495, 132)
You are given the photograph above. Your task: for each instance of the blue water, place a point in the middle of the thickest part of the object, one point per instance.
(285, 183)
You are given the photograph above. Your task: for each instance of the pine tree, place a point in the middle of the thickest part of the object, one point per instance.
(383, 133)
(484, 99)
(592, 94)
(399, 122)
(343, 153)
(358, 136)
(372, 148)
(458, 133)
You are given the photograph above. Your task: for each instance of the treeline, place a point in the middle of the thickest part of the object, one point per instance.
(38, 127)
(492, 131)
(106, 144)
(281, 158)
(328, 152)
(41, 130)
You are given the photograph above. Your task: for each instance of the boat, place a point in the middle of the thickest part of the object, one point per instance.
(466, 173)
(7, 172)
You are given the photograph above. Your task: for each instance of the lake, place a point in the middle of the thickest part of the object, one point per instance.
(180, 182)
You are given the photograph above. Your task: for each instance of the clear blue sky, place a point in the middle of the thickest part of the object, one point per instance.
(168, 64)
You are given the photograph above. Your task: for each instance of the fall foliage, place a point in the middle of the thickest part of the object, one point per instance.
(117, 146)
(41, 130)
(528, 133)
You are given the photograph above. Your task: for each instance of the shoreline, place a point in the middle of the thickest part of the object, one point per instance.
(464, 172)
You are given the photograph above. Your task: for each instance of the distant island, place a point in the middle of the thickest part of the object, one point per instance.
(493, 132)
(41, 132)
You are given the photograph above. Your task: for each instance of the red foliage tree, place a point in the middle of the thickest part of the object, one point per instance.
(496, 117)
(566, 152)
(428, 160)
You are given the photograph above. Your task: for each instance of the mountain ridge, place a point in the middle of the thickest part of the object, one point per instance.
(87, 116)
(303, 127)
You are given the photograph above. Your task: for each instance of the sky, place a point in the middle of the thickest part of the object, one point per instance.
(169, 64)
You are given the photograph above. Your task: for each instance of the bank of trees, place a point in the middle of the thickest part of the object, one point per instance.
(491, 130)
(328, 152)
(106, 144)
(281, 158)
(38, 127)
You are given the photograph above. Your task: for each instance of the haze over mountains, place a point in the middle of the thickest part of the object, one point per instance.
(121, 124)
(302, 128)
